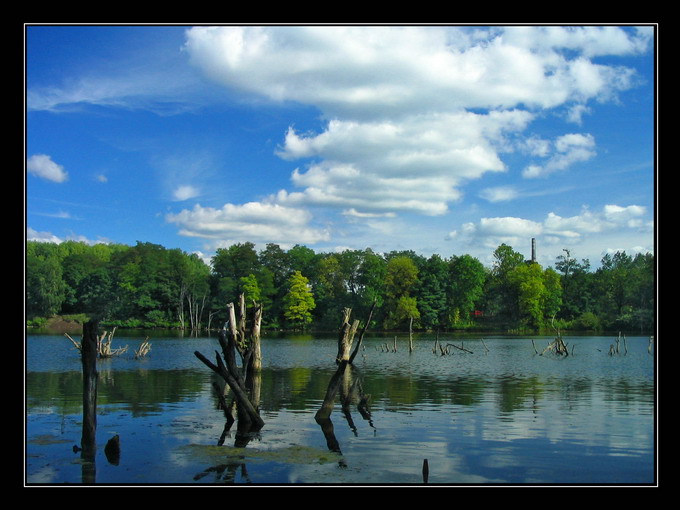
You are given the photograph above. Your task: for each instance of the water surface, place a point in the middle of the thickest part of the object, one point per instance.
(499, 414)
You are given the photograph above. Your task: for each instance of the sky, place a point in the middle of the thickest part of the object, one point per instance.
(438, 139)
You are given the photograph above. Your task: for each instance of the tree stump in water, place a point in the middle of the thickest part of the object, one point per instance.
(233, 338)
(557, 347)
(88, 354)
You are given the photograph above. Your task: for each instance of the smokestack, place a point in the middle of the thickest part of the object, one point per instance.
(533, 249)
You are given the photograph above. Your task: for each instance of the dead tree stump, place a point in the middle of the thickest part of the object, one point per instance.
(88, 355)
(233, 337)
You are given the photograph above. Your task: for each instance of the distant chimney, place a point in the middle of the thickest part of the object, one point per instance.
(533, 249)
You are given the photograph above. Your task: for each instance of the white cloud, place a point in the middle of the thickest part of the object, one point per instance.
(590, 40)
(400, 134)
(499, 194)
(417, 164)
(568, 149)
(185, 192)
(253, 221)
(556, 230)
(44, 237)
(356, 214)
(354, 70)
(48, 237)
(42, 166)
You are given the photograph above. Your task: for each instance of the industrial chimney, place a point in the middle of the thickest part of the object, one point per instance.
(533, 249)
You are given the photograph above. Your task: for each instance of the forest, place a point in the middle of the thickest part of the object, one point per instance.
(150, 286)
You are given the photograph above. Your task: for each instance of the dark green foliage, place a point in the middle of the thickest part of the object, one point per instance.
(147, 285)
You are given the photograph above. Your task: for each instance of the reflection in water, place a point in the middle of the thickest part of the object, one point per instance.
(225, 472)
(502, 415)
(346, 380)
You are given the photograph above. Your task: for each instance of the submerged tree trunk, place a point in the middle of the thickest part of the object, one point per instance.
(346, 374)
(256, 357)
(88, 353)
(241, 380)
(346, 336)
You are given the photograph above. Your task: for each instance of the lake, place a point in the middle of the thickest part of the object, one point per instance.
(495, 413)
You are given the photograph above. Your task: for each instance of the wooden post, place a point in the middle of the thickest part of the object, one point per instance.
(88, 352)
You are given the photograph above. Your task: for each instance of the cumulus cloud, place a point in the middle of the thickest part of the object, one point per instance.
(401, 134)
(351, 71)
(566, 150)
(42, 166)
(254, 221)
(555, 229)
(416, 166)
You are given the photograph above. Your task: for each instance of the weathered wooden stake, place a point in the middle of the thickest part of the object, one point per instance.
(88, 354)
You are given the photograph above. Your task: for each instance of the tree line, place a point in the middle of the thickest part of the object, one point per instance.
(148, 285)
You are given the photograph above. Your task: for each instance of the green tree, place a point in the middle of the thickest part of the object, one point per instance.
(400, 280)
(577, 287)
(305, 260)
(147, 285)
(405, 310)
(528, 283)
(538, 293)
(401, 276)
(430, 292)
(467, 276)
(250, 289)
(45, 288)
(299, 301)
(552, 298)
(85, 273)
(625, 290)
(194, 289)
(273, 280)
(370, 285)
(330, 291)
(500, 296)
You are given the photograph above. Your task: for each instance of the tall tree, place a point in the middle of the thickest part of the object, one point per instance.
(430, 292)
(538, 294)
(466, 276)
(299, 301)
(400, 280)
(330, 292)
(501, 298)
(305, 260)
(577, 286)
(45, 288)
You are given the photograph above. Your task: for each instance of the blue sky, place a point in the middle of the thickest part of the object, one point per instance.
(437, 139)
